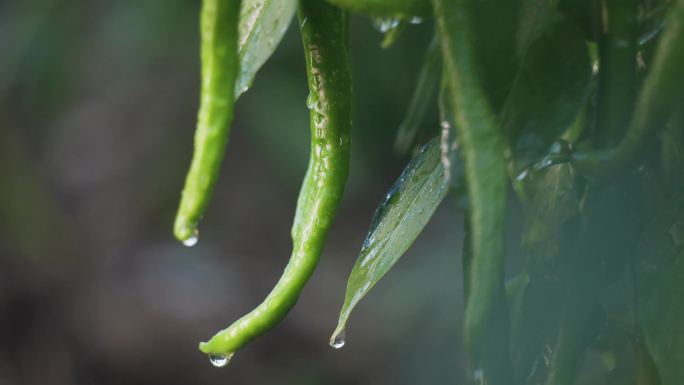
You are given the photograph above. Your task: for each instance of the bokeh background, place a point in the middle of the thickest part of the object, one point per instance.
(98, 102)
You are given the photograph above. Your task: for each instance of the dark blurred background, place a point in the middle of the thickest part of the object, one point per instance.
(97, 111)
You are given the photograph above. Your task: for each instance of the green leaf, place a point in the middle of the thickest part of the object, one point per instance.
(552, 204)
(549, 90)
(554, 199)
(659, 272)
(262, 25)
(397, 222)
(663, 322)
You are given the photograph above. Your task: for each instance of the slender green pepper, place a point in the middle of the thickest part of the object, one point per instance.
(482, 147)
(219, 52)
(324, 34)
(662, 91)
(617, 73)
(389, 8)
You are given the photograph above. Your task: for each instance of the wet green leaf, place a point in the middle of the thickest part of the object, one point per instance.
(262, 25)
(398, 221)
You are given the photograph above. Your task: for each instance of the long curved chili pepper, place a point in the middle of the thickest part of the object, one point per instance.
(219, 57)
(323, 28)
(482, 147)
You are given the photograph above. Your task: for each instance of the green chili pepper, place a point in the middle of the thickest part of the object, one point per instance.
(617, 72)
(219, 47)
(662, 91)
(391, 8)
(482, 147)
(323, 29)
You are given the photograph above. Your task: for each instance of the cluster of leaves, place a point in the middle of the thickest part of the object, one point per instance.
(594, 152)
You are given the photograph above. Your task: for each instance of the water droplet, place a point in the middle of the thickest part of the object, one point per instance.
(445, 124)
(192, 240)
(311, 100)
(337, 341)
(220, 361)
(522, 175)
(385, 24)
(416, 20)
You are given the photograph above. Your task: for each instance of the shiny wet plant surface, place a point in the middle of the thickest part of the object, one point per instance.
(552, 132)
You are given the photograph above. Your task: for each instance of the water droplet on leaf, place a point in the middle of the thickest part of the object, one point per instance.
(220, 361)
(337, 341)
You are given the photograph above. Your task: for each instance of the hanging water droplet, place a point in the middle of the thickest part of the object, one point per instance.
(220, 361)
(337, 341)
(192, 240)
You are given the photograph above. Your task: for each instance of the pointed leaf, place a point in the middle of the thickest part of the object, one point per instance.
(262, 25)
(398, 221)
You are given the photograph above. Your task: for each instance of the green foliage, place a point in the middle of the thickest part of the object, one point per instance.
(399, 219)
(262, 25)
(562, 101)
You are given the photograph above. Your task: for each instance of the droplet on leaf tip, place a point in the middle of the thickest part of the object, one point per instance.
(338, 339)
(220, 361)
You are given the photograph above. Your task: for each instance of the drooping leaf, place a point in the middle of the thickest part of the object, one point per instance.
(262, 25)
(397, 222)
